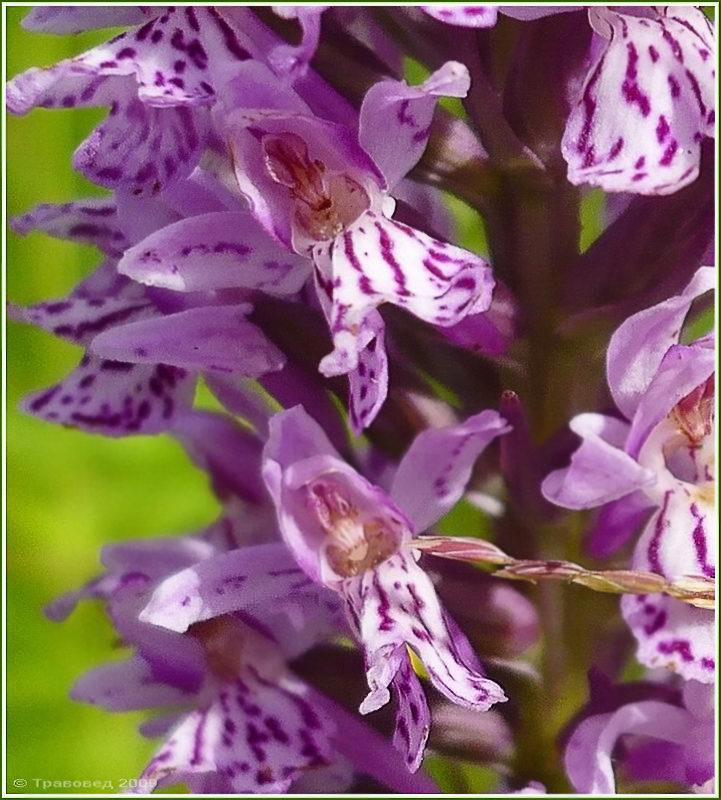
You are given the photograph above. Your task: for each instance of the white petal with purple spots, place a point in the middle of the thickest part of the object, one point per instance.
(646, 105)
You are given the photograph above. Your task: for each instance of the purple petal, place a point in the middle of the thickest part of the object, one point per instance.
(617, 522)
(80, 319)
(91, 221)
(240, 579)
(590, 750)
(413, 718)
(214, 338)
(114, 398)
(600, 471)
(646, 105)
(370, 753)
(395, 118)
(293, 60)
(215, 251)
(434, 472)
(378, 260)
(640, 343)
(126, 686)
(395, 605)
(258, 735)
(141, 148)
(679, 540)
(76, 19)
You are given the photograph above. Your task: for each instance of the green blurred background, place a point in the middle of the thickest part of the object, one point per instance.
(68, 492)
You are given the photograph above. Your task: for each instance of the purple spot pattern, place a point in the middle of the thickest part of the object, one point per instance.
(148, 77)
(114, 398)
(413, 720)
(379, 260)
(258, 735)
(92, 221)
(672, 634)
(395, 606)
(368, 382)
(646, 105)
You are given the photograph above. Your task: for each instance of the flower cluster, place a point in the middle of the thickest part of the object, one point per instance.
(281, 223)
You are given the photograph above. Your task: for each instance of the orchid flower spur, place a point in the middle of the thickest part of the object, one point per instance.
(659, 457)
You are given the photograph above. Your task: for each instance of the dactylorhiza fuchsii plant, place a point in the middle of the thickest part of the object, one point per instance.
(445, 271)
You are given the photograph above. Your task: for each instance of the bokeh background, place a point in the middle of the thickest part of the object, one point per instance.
(70, 492)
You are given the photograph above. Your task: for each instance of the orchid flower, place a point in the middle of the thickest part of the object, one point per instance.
(659, 457)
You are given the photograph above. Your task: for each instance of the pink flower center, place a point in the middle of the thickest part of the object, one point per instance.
(325, 203)
(356, 540)
(694, 413)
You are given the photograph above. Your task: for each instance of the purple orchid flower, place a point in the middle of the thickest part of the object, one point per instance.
(240, 721)
(232, 715)
(661, 741)
(355, 538)
(321, 190)
(660, 459)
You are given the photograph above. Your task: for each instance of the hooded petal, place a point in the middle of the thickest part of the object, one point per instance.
(114, 398)
(679, 540)
(434, 472)
(215, 251)
(334, 146)
(259, 734)
(395, 118)
(683, 369)
(646, 105)
(91, 221)
(639, 345)
(589, 753)
(378, 260)
(238, 580)
(600, 471)
(213, 338)
(395, 605)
